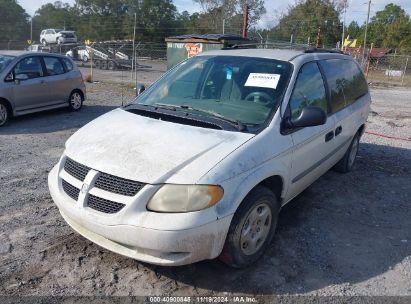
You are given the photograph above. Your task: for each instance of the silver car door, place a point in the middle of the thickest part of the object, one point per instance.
(29, 85)
(313, 146)
(57, 80)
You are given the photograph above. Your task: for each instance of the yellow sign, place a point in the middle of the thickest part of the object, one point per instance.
(352, 43)
(87, 42)
(29, 42)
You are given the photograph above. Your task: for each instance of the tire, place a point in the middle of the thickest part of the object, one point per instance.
(97, 64)
(347, 162)
(85, 58)
(4, 113)
(103, 65)
(111, 65)
(252, 228)
(44, 42)
(75, 101)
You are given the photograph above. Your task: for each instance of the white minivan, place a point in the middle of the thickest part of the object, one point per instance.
(199, 165)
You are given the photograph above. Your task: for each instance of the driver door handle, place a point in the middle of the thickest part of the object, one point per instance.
(329, 136)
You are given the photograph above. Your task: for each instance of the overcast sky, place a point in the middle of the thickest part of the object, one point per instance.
(357, 8)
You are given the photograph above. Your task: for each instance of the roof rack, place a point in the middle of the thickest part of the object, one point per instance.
(321, 50)
(283, 45)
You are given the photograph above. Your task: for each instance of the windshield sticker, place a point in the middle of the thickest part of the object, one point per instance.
(229, 72)
(263, 80)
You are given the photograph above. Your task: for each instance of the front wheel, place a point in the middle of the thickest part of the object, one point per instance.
(347, 162)
(252, 228)
(4, 114)
(75, 101)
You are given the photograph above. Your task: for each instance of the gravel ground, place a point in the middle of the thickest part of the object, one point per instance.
(345, 235)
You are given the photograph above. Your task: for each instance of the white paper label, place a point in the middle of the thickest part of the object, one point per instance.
(263, 80)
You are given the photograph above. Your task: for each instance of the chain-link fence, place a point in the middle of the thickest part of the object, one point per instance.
(389, 70)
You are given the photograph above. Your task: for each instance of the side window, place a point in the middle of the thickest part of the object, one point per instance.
(335, 75)
(53, 66)
(30, 66)
(309, 90)
(68, 64)
(356, 83)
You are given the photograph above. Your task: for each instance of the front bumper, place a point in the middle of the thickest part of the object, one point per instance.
(155, 246)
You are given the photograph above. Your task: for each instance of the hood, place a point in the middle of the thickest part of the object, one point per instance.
(149, 150)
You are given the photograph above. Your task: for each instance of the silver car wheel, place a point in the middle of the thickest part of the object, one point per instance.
(255, 229)
(76, 101)
(353, 152)
(3, 114)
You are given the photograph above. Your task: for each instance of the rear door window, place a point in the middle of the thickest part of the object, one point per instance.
(30, 66)
(53, 66)
(345, 81)
(309, 90)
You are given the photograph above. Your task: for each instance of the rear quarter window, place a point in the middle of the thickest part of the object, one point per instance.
(345, 80)
(69, 65)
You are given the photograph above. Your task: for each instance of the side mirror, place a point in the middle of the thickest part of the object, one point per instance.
(309, 117)
(9, 77)
(140, 89)
(21, 77)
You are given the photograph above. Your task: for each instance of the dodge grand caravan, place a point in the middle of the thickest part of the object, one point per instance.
(199, 165)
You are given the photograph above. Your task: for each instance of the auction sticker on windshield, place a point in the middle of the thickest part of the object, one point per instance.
(263, 80)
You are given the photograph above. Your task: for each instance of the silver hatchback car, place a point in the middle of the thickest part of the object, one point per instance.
(32, 82)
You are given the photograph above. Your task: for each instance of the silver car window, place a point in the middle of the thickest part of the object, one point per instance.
(53, 66)
(30, 66)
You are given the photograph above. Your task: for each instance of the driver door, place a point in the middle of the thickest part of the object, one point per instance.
(29, 92)
(312, 145)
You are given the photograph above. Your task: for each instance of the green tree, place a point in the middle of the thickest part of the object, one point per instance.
(302, 20)
(14, 21)
(391, 28)
(229, 12)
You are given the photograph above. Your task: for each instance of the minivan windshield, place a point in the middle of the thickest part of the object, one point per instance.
(242, 89)
(4, 61)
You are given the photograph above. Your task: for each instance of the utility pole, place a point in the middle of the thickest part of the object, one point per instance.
(223, 26)
(317, 45)
(133, 61)
(343, 32)
(366, 29)
(245, 21)
(31, 29)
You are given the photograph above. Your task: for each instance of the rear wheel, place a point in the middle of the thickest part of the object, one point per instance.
(252, 228)
(103, 65)
(4, 113)
(75, 101)
(347, 162)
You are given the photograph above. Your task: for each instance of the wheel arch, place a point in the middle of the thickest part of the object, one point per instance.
(8, 105)
(361, 130)
(79, 91)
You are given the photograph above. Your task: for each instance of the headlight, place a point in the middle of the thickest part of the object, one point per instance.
(185, 198)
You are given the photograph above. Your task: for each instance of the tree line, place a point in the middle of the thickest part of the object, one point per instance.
(155, 20)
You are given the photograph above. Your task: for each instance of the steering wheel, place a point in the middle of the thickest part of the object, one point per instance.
(259, 97)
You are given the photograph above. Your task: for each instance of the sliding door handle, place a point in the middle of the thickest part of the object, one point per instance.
(338, 131)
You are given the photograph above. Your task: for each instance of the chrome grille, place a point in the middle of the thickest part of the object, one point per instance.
(75, 169)
(118, 185)
(103, 205)
(70, 190)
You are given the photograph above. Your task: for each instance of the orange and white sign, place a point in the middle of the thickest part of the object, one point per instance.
(193, 49)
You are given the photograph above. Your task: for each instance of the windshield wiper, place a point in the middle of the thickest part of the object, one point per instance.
(234, 122)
